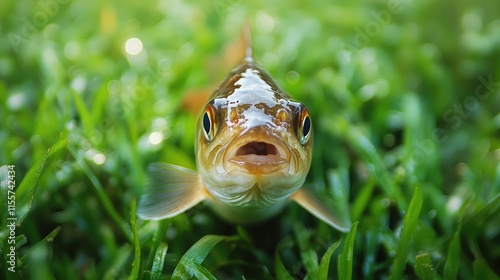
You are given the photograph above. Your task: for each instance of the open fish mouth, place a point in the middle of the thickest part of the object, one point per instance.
(259, 152)
(257, 148)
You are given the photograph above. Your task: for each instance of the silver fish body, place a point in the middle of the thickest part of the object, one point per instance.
(254, 155)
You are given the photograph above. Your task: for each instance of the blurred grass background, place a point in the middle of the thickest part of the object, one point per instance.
(405, 102)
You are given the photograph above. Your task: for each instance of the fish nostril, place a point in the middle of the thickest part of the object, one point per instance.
(257, 148)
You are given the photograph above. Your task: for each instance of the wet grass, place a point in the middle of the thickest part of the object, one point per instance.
(405, 105)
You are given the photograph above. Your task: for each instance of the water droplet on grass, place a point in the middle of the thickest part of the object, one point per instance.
(292, 77)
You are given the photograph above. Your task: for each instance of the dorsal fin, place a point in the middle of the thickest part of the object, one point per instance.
(247, 35)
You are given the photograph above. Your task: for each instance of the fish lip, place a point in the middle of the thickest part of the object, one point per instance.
(255, 163)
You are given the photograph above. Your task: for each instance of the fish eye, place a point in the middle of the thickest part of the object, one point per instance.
(305, 127)
(208, 123)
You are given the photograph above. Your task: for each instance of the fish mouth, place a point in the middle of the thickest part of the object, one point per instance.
(259, 152)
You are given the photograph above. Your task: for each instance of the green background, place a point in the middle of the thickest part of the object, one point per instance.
(405, 102)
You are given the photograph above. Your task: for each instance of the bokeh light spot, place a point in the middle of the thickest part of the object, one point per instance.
(265, 23)
(155, 138)
(99, 159)
(454, 204)
(133, 46)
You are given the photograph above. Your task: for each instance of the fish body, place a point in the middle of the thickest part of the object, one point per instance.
(253, 152)
(249, 153)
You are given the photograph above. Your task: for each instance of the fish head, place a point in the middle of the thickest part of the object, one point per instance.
(254, 142)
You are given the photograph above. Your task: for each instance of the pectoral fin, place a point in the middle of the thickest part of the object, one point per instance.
(318, 209)
(171, 190)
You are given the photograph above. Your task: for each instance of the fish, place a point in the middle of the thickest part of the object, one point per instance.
(253, 152)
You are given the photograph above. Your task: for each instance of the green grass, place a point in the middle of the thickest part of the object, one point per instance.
(405, 101)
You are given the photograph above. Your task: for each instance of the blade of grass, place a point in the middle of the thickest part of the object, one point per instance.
(84, 113)
(47, 239)
(198, 271)
(102, 195)
(38, 263)
(307, 253)
(154, 231)
(324, 264)
(119, 261)
(418, 143)
(362, 199)
(491, 209)
(372, 245)
(375, 164)
(190, 264)
(410, 223)
(483, 271)
(338, 180)
(346, 258)
(243, 234)
(423, 266)
(453, 256)
(159, 261)
(134, 274)
(281, 271)
(101, 99)
(130, 153)
(26, 191)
